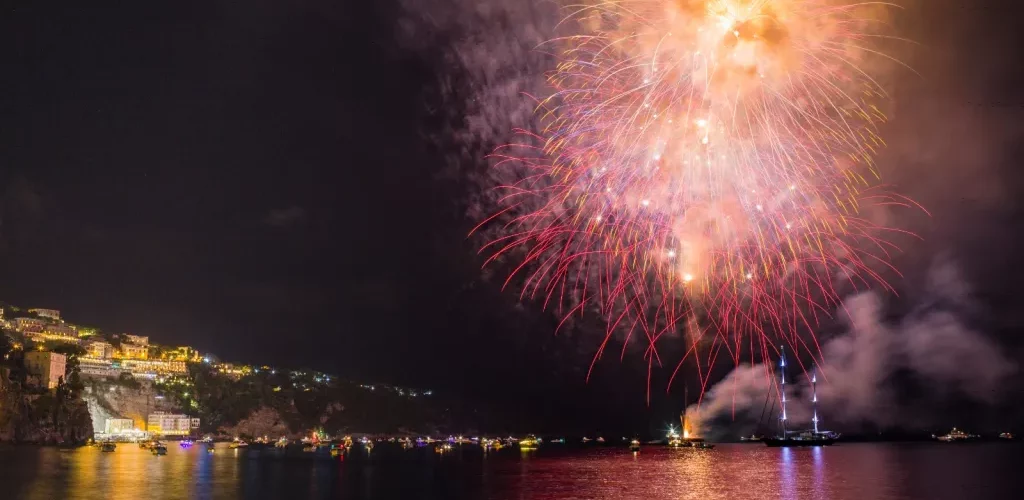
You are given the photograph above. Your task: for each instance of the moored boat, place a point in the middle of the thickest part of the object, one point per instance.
(956, 435)
(529, 443)
(786, 438)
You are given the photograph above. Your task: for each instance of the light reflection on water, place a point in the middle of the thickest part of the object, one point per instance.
(851, 471)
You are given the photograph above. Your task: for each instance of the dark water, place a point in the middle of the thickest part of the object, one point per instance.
(851, 471)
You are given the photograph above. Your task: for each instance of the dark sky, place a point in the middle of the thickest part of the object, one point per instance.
(252, 178)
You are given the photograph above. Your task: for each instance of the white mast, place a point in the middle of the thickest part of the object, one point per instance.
(814, 395)
(782, 390)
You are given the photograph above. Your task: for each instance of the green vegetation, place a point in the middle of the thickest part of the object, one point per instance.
(304, 400)
(35, 414)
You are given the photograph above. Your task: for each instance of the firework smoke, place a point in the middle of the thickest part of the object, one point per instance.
(933, 344)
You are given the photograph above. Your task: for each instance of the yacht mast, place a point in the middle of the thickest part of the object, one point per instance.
(814, 395)
(782, 390)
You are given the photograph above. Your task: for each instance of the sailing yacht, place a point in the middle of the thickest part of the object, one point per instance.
(811, 437)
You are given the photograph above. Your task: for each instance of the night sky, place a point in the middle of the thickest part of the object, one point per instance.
(257, 179)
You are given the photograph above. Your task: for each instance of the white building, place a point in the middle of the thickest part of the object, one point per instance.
(45, 367)
(169, 424)
(99, 349)
(25, 325)
(119, 425)
(46, 313)
(139, 340)
(98, 367)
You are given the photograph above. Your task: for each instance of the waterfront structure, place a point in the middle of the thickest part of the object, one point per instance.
(169, 424)
(119, 425)
(45, 368)
(46, 313)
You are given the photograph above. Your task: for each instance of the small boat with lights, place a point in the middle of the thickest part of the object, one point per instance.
(108, 446)
(956, 436)
(687, 439)
(529, 443)
(634, 445)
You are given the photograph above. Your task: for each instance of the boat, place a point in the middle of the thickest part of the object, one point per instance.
(108, 446)
(529, 443)
(753, 438)
(956, 435)
(634, 445)
(208, 439)
(787, 438)
(159, 449)
(687, 440)
(238, 443)
(186, 443)
(1006, 435)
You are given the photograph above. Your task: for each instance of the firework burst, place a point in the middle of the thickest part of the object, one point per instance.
(704, 167)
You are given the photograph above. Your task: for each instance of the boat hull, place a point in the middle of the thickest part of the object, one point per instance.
(803, 443)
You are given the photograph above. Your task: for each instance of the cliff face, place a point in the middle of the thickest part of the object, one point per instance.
(262, 422)
(113, 400)
(55, 417)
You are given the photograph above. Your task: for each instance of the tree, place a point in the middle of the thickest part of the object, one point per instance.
(6, 347)
(72, 371)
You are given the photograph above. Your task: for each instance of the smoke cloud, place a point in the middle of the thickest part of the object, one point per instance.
(934, 345)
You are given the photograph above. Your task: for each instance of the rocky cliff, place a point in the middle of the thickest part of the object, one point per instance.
(51, 417)
(107, 399)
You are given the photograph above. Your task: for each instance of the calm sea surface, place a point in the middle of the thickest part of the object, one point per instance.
(850, 471)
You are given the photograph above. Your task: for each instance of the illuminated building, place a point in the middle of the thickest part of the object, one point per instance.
(53, 331)
(45, 368)
(168, 424)
(99, 350)
(46, 313)
(27, 325)
(234, 372)
(183, 353)
(60, 329)
(133, 351)
(89, 366)
(118, 425)
(147, 367)
(139, 340)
